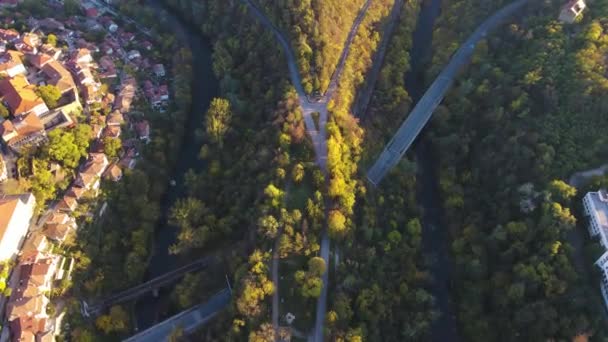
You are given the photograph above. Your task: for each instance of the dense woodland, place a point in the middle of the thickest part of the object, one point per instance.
(528, 112)
(317, 30)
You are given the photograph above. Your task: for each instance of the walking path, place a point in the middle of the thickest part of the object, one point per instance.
(318, 136)
(580, 178)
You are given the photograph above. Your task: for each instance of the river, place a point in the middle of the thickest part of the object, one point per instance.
(435, 237)
(204, 88)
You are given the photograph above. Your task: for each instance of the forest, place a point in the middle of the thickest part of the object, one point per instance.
(524, 116)
(317, 30)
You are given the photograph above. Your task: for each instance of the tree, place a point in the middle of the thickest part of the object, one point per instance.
(63, 148)
(4, 111)
(218, 117)
(111, 146)
(336, 224)
(50, 94)
(71, 7)
(51, 39)
(561, 191)
(298, 173)
(116, 321)
(316, 266)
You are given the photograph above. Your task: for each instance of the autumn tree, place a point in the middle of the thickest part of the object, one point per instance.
(218, 119)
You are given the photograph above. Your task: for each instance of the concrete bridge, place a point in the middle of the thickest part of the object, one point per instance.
(188, 320)
(420, 115)
(142, 289)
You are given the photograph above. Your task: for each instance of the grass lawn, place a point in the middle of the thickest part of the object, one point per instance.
(292, 301)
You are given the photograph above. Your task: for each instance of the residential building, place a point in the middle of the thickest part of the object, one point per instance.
(28, 43)
(159, 70)
(113, 173)
(20, 96)
(571, 10)
(59, 225)
(16, 212)
(595, 205)
(23, 131)
(9, 35)
(91, 173)
(11, 64)
(60, 77)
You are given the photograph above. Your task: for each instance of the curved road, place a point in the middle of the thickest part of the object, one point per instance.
(318, 136)
(420, 115)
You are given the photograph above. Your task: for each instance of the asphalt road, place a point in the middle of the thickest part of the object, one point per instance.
(188, 320)
(420, 115)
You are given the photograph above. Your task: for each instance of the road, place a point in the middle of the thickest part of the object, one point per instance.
(420, 115)
(188, 320)
(318, 136)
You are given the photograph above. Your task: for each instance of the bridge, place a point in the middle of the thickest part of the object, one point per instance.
(420, 115)
(142, 289)
(188, 320)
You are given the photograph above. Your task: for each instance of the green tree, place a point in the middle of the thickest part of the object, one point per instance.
(51, 39)
(218, 120)
(71, 7)
(4, 111)
(111, 146)
(50, 94)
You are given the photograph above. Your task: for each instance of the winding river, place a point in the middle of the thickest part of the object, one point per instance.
(435, 238)
(204, 88)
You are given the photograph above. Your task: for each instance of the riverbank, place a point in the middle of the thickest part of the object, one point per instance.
(204, 88)
(435, 237)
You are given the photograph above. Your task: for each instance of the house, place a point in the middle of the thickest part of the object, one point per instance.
(113, 173)
(39, 60)
(115, 119)
(126, 95)
(69, 202)
(111, 132)
(58, 226)
(129, 160)
(50, 50)
(28, 43)
(9, 35)
(23, 131)
(89, 176)
(30, 329)
(26, 309)
(159, 70)
(21, 97)
(11, 64)
(90, 10)
(16, 211)
(60, 77)
(571, 10)
(133, 54)
(83, 56)
(142, 128)
(35, 242)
